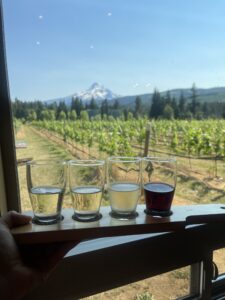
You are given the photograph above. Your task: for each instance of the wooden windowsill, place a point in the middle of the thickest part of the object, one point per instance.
(107, 226)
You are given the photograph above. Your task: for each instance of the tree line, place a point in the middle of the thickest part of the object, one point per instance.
(160, 107)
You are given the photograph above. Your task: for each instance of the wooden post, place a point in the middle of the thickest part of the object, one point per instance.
(147, 139)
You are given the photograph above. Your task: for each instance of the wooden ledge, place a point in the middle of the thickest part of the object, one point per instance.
(107, 226)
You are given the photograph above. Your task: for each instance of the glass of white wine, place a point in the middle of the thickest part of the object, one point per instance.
(86, 183)
(124, 186)
(46, 181)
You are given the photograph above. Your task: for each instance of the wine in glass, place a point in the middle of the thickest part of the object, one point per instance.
(86, 183)
(46, 181)
(159, 182)
(124, 186)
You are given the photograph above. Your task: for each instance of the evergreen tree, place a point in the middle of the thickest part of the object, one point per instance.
(116, 104)
(206, 111)
(61, 107)
(138, 107)
(73, 103)
(125, 113)
(194, 103)
(168, 98)
(157, 106)
(175, 108)
(40, 107)
(77, 105)
(81, 105)
(182, 105)
(104, 108)
(93, 104)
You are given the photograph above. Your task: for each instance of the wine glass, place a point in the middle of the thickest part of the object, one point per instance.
(159, 182)
(86, 183)
(124, 186)
(46, 181)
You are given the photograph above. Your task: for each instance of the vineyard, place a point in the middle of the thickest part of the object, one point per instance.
(199, 139)
(198, 145)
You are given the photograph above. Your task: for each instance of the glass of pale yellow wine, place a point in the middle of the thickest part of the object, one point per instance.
(86, 184)
(124, 186)
(46, 182)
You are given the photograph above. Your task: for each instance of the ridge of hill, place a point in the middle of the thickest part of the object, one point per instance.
(99, 93)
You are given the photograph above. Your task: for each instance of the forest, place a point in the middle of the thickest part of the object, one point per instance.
(158, 107)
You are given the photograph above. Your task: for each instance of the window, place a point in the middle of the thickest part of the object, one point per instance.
(104, 257)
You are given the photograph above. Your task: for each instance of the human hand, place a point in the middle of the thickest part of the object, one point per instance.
(24, 267)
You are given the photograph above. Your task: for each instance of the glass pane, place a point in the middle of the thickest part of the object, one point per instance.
(168, 286)
(87, 77)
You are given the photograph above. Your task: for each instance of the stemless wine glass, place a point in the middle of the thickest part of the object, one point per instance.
(86, 182)
(159, 179)
(46, 181)
(124, 186)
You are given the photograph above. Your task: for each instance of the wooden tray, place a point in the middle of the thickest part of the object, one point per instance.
(68, 229)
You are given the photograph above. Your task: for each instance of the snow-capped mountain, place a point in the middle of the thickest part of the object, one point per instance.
(95, 91)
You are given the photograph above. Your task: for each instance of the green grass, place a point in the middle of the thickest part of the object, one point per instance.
(144, 296)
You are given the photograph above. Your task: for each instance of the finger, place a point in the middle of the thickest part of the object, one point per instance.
(13, 219)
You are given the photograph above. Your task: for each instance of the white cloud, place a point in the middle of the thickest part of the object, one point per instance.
(136, 85)
(38, 43)
(148, 84)
(109, 14)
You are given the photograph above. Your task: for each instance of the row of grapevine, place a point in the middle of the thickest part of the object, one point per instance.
(192, 138)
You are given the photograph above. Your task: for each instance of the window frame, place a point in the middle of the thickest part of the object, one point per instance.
(107, 269)
(110, 267)
(7, 143)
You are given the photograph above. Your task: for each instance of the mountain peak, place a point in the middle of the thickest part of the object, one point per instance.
(95, 85)
(96, 91)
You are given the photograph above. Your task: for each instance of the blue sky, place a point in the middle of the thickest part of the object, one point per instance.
(58, 47)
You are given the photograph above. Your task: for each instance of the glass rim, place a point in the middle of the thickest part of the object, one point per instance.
(86, 162)
(160, 159)
(124, 159)
(42, 162)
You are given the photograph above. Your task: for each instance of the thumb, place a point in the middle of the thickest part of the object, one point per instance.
(13, 219)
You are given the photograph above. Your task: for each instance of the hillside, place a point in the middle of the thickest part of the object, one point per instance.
(203, 95)
(100, 93)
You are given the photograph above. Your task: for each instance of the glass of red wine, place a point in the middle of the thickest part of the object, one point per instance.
(159, 182)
